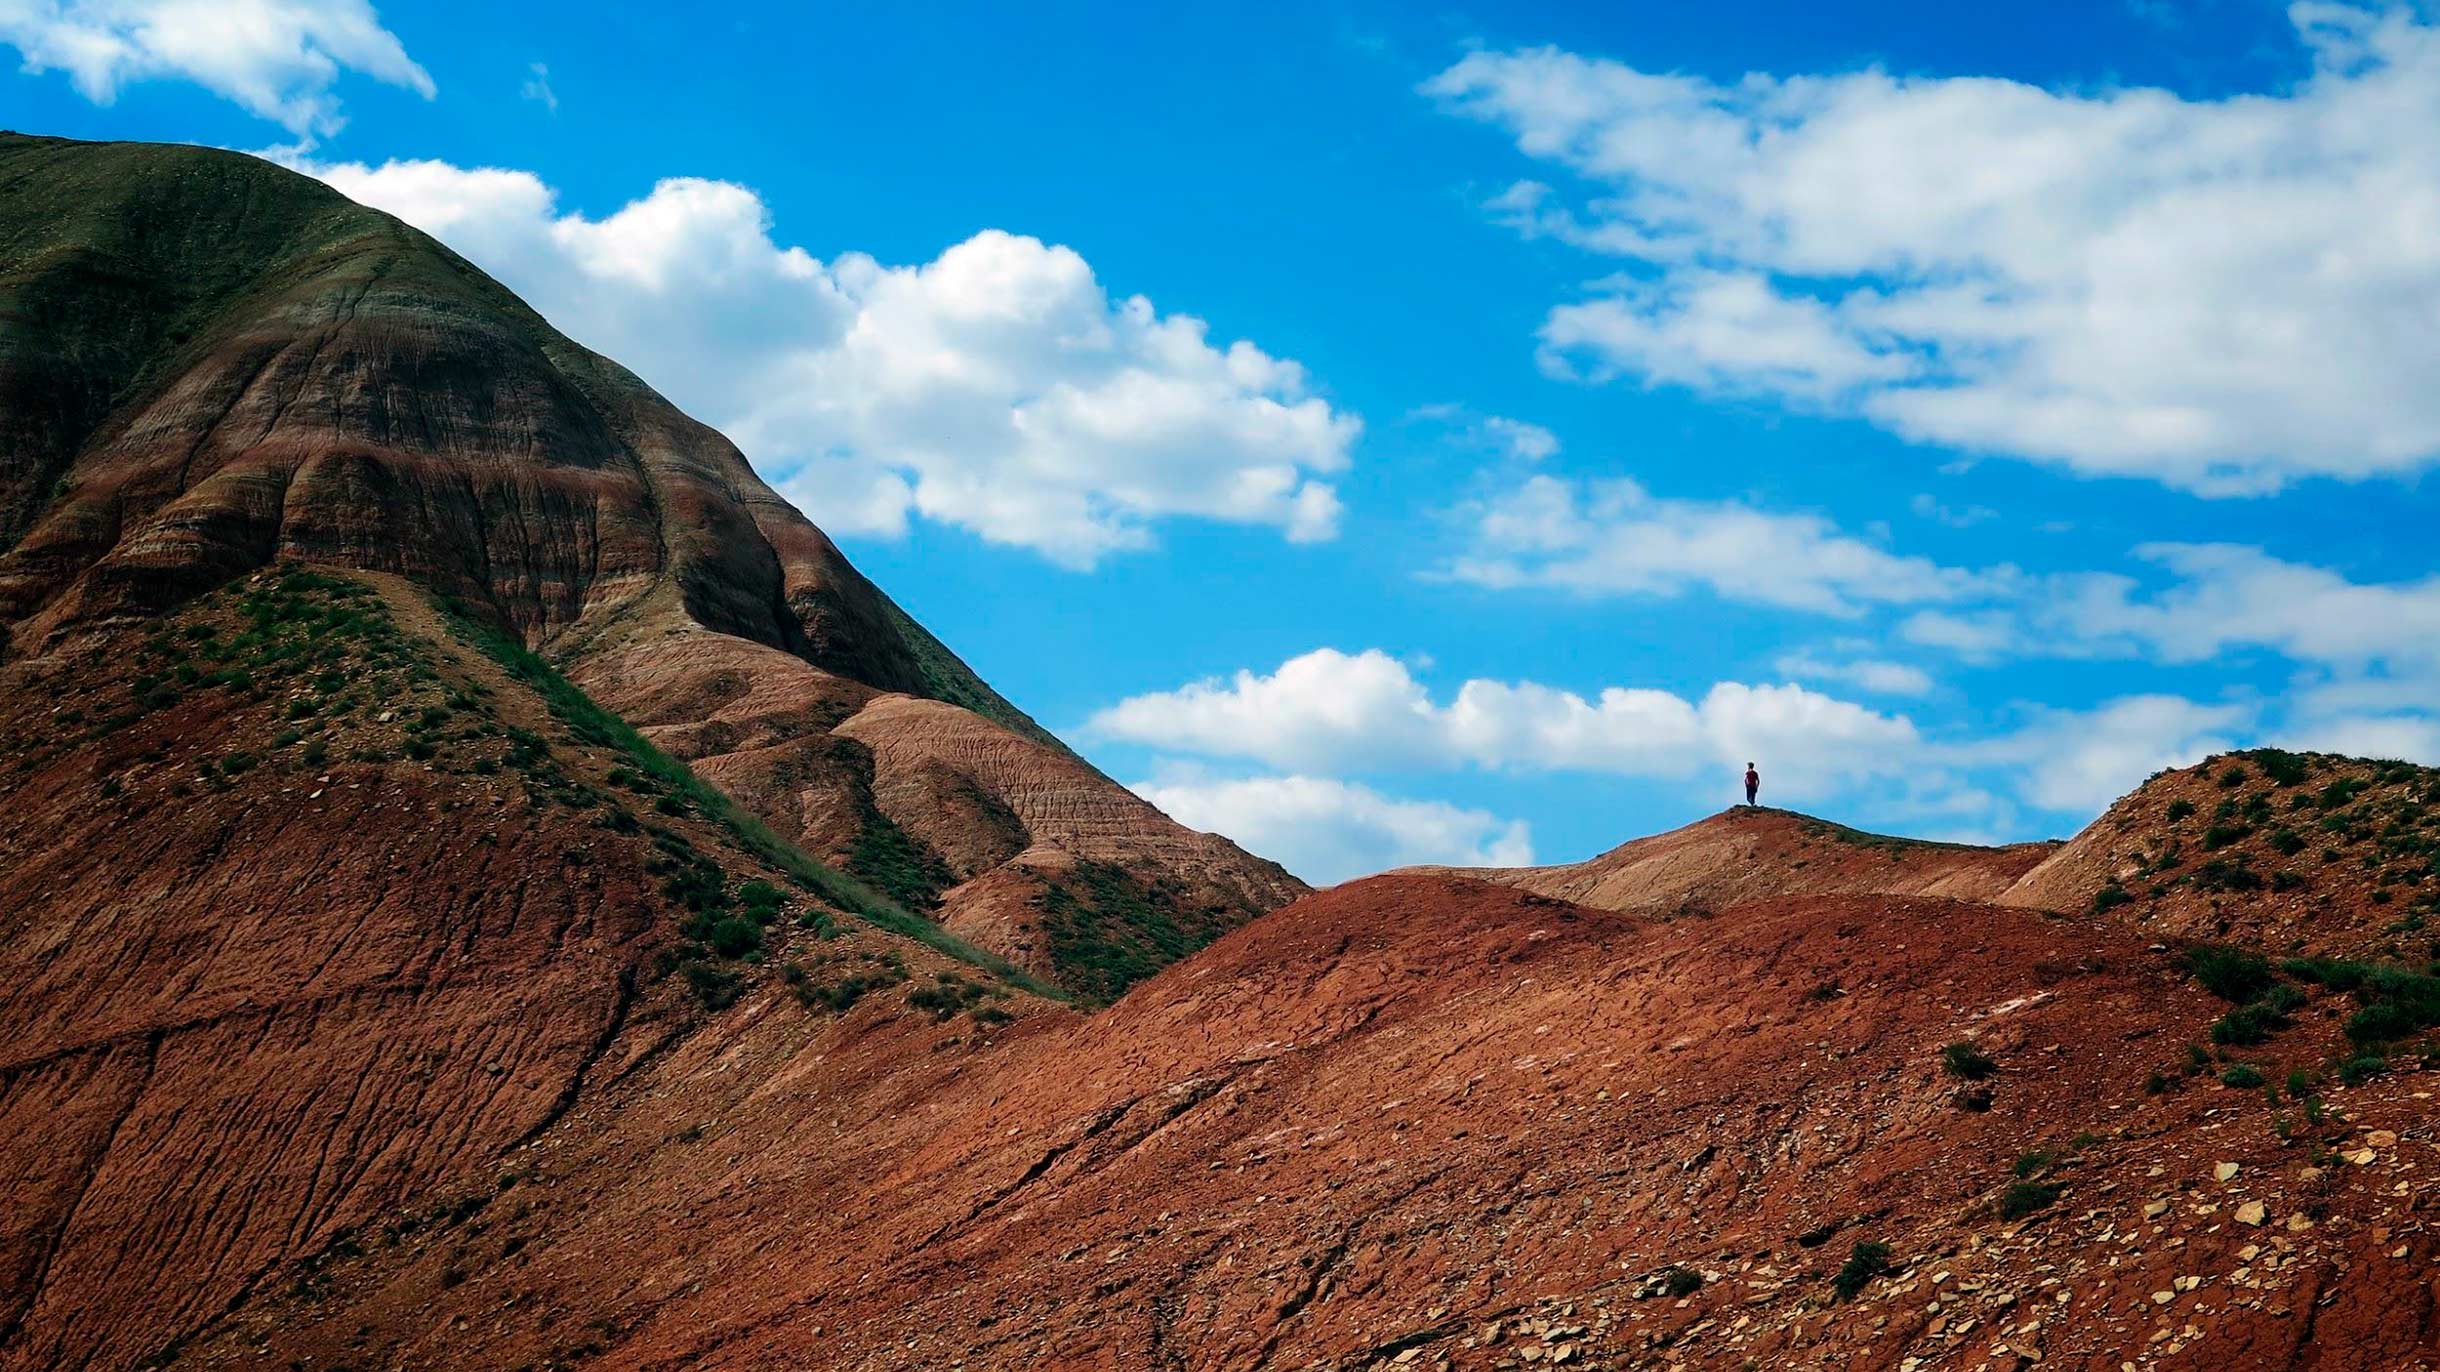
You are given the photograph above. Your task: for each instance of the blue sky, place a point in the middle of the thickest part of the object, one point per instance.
(1470, 437)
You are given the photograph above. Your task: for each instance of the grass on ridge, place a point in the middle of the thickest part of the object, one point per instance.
(590, 722)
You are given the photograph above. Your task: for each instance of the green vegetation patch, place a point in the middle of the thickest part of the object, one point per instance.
(1866, 1263)
(1966, 1061)
(590, 723)
(1108, 930)
(2023, 1198)
(2236, 975)
(897, 863)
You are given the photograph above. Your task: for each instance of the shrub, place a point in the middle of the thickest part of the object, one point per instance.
(2219, 874)
(2221, 835)
(716, 987)
(2248, 1025)
(2180, 809)
(1865, 1262)
(2233, 777)
(2024, 1198)
(2233, 974)
(2335, 973)
(734, 937)
(1964, 1060)
(2287, 841)
(2033, 1160)
(2358, 1070)
(2110, 897)
(2396, 1003)
(2300, 1083)
(2282, 767)
(2240, 1075)
(2336, 795)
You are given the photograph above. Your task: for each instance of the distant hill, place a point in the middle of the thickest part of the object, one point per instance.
(1749, 853)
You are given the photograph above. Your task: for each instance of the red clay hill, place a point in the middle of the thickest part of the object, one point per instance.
(211, 364)
(381, 988)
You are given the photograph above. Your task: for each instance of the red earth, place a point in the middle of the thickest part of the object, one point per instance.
(373, 997)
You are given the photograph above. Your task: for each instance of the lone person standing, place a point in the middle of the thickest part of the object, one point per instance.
(1753, 783)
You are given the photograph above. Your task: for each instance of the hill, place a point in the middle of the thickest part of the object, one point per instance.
(1750, 852)
(485, 884)
(209, 364)
(1425, 1121)
(2304, 853)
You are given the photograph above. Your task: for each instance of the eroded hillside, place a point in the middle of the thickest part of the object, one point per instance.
(318, 905)
(209, 364)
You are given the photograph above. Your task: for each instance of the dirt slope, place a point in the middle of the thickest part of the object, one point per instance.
(309, 914)
(1423, 1121)
(446, 1061)
(1749, 853)
(208, 363)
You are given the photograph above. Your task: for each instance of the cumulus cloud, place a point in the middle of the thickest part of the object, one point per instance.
(2210, 599)
(1615, 538)
(277, 59)
(1523, 441)
(998, 387)
(1331, 711)
(2224, 295)
(1876, 675)
(2226, 596)
(2078, 761)
(1326, 830)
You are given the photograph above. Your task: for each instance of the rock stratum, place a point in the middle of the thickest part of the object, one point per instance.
(209, 364)
(423, 946)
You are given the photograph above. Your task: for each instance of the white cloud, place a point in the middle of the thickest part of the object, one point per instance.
(2232, 596)
(2404, 737)
(537, 87)
(1327, 831)
(1879, 676)
(1616, 538)
(277, 59)
(2217, 598)
(1516, 439)
(1328, 710)
(1523, 441)
(2078, 761)
(2224, 295)
(1927, 506)
(998, 387)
